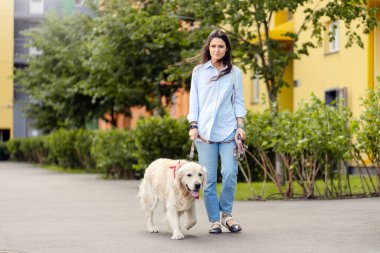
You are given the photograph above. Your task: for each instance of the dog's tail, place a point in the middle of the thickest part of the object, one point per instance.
(148, 198)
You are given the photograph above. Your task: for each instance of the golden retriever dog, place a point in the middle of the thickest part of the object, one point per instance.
(176, 183)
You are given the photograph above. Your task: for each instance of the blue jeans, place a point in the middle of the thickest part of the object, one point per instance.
(208, 157)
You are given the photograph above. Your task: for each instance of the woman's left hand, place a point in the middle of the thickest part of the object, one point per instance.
(241, 132)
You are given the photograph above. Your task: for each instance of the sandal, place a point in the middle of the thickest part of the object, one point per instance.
(216, 228)
(233, 228)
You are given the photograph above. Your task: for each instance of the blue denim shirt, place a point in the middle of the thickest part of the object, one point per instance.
(211, 102)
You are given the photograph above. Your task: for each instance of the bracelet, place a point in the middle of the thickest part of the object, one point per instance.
(240, 126)
(193, 126)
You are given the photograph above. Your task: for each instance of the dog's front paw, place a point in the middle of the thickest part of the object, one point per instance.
(190, 224)
(152, 230)
(177, 236)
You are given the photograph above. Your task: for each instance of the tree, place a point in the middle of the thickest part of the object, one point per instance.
(52, 78)
(91, 67)
(132, 46)
(248, 24)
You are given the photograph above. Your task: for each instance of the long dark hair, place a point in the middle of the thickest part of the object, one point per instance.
(206, 56)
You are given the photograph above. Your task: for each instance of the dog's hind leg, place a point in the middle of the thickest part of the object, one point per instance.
(149, 201)
(149, 214)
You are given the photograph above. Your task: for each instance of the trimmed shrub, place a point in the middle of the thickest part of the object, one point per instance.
(313, 141)
(62, 148)
(82, 146)
(366, 150)
(34, 149)
(161, 137)
(13, 147)
(258, 139)
(113, 153)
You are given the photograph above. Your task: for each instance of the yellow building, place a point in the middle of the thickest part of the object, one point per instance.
(330, 72)
(254, 89)
(6, 69)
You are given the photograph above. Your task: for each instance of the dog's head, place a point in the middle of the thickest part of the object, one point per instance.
(191, 177)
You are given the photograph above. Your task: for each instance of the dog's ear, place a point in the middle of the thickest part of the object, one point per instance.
(179, 173)
(204, 179)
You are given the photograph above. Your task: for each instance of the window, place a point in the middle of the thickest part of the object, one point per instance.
(334, 97)
(256, 89)
(332, 37)
(36, 6)
(5, 135)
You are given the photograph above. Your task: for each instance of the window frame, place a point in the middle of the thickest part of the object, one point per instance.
(332, 46)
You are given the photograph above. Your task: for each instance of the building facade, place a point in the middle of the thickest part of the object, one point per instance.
(15, 17)
(6, 70)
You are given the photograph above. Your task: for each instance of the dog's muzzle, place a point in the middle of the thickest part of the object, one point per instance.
(195, 192)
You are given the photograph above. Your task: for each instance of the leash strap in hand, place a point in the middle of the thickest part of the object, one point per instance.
(191, 156)
(240, 149)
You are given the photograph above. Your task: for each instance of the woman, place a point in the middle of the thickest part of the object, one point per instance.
(216, 117)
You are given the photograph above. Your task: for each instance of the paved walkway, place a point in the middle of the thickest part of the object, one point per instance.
(48, 212)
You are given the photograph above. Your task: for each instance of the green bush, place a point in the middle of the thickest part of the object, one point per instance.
(4, 154)
(15, 153)
(113, 153)
(34, 149)
(310, 143)
(314, 129)
(258, 139)
(366, 149)
(161, 137)
(368, 128)
(313, 141)
(62, 148)
(82, 147)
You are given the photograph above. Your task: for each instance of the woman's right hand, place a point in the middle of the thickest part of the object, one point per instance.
(193, 133)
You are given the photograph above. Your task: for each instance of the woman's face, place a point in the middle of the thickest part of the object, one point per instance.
(217, 49)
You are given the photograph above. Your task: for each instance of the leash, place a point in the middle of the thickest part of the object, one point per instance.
(239, 151)
(214, 142)
(191, 156)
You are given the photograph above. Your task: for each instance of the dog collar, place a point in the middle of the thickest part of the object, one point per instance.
(174, 168)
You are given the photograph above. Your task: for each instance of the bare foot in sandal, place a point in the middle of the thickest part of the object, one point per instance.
(216, 228)
(229, 222)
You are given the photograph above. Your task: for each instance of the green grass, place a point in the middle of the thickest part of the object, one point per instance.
(244, 191)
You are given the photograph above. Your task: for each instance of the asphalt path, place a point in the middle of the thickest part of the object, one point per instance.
(48, 212)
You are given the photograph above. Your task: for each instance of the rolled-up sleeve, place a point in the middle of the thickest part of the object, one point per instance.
(193, 101)
(240, 110)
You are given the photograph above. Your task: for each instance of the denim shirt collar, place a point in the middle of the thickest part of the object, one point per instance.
(209, 65)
